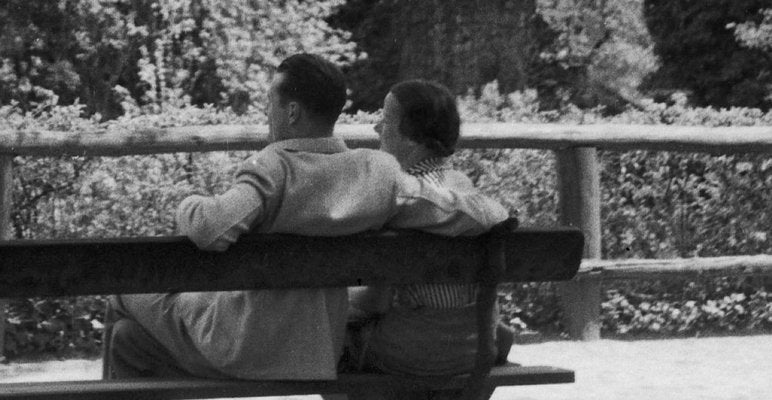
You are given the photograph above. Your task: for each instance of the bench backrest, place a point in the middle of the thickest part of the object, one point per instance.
(166, 264)
(137, 265)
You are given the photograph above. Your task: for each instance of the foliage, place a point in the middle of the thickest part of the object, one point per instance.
(687, 308)
(758, 36)
(118, 55)
(700, 55)
(111, 196)
(585, 52)
(603, 47)
(99, 197)
(720, 204)
(655, 205)
(65, 327)
(40, 56)
(531, 306)
(755, 35)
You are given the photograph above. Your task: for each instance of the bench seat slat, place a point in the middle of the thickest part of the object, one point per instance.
(170, 264)
(508, 375)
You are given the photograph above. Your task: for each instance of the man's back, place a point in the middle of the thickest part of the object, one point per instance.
(302, 186)
(326, 190)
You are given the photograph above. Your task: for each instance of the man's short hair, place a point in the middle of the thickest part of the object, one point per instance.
(429, 115)
(314, 82)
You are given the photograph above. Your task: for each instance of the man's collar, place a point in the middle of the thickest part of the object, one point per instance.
(327, 145)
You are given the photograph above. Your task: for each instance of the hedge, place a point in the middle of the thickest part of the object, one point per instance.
(655, 205)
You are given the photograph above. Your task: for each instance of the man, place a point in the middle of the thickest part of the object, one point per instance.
(306, 182)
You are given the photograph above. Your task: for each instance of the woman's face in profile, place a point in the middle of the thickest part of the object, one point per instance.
(388, 127)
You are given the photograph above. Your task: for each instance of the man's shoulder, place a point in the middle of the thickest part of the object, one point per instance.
(275, 161)
(265, 157)
(267, 163)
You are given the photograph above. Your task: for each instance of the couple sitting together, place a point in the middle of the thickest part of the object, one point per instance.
(308, 182)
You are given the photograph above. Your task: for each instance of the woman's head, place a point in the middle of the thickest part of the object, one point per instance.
(419, 112)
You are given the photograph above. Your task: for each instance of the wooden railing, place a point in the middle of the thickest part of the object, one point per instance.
(756, 139)
(578, 181)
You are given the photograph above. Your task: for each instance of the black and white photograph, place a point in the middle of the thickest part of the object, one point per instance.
(386, 199)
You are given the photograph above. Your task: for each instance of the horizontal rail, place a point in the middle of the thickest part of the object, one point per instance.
(758, 265)
(753, 139)
(174, 264)
(196, 389)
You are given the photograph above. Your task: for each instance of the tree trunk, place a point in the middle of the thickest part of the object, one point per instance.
(463, 44)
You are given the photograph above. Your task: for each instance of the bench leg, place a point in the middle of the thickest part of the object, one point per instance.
(487, 393)
(410, 395)
(3, 304)
(107, 334)
(391, 395)
(456, 394)
(357, 396)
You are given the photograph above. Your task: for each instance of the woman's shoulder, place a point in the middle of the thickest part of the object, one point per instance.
(458, 180)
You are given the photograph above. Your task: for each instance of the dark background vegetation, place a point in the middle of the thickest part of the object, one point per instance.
(79, 65)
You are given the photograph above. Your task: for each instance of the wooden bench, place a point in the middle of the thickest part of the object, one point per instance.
(168, 264)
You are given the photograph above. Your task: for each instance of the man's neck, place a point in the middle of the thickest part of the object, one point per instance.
(308, 130)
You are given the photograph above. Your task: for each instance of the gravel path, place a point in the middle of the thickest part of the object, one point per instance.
(725, 368)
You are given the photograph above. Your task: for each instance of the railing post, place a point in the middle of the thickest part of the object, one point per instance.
(6, 205)
(579, 206)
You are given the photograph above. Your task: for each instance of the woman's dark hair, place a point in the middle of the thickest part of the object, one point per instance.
(429, 115)
(314, 82)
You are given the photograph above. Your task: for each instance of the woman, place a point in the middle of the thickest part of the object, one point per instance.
(425, 329)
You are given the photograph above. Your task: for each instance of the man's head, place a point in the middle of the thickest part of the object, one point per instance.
(306, 97)
(419, 115)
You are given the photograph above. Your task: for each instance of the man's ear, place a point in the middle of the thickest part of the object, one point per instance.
(293, 112)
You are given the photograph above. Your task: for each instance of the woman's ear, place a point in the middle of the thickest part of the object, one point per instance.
(293, 112)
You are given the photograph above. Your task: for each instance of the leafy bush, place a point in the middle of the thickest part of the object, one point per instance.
(656, 204)
(118, 55)
(531, 306)
(687, 308)
(68, 197)
(65, 327)
(715, 50)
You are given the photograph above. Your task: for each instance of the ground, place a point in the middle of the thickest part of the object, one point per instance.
(715, 368)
